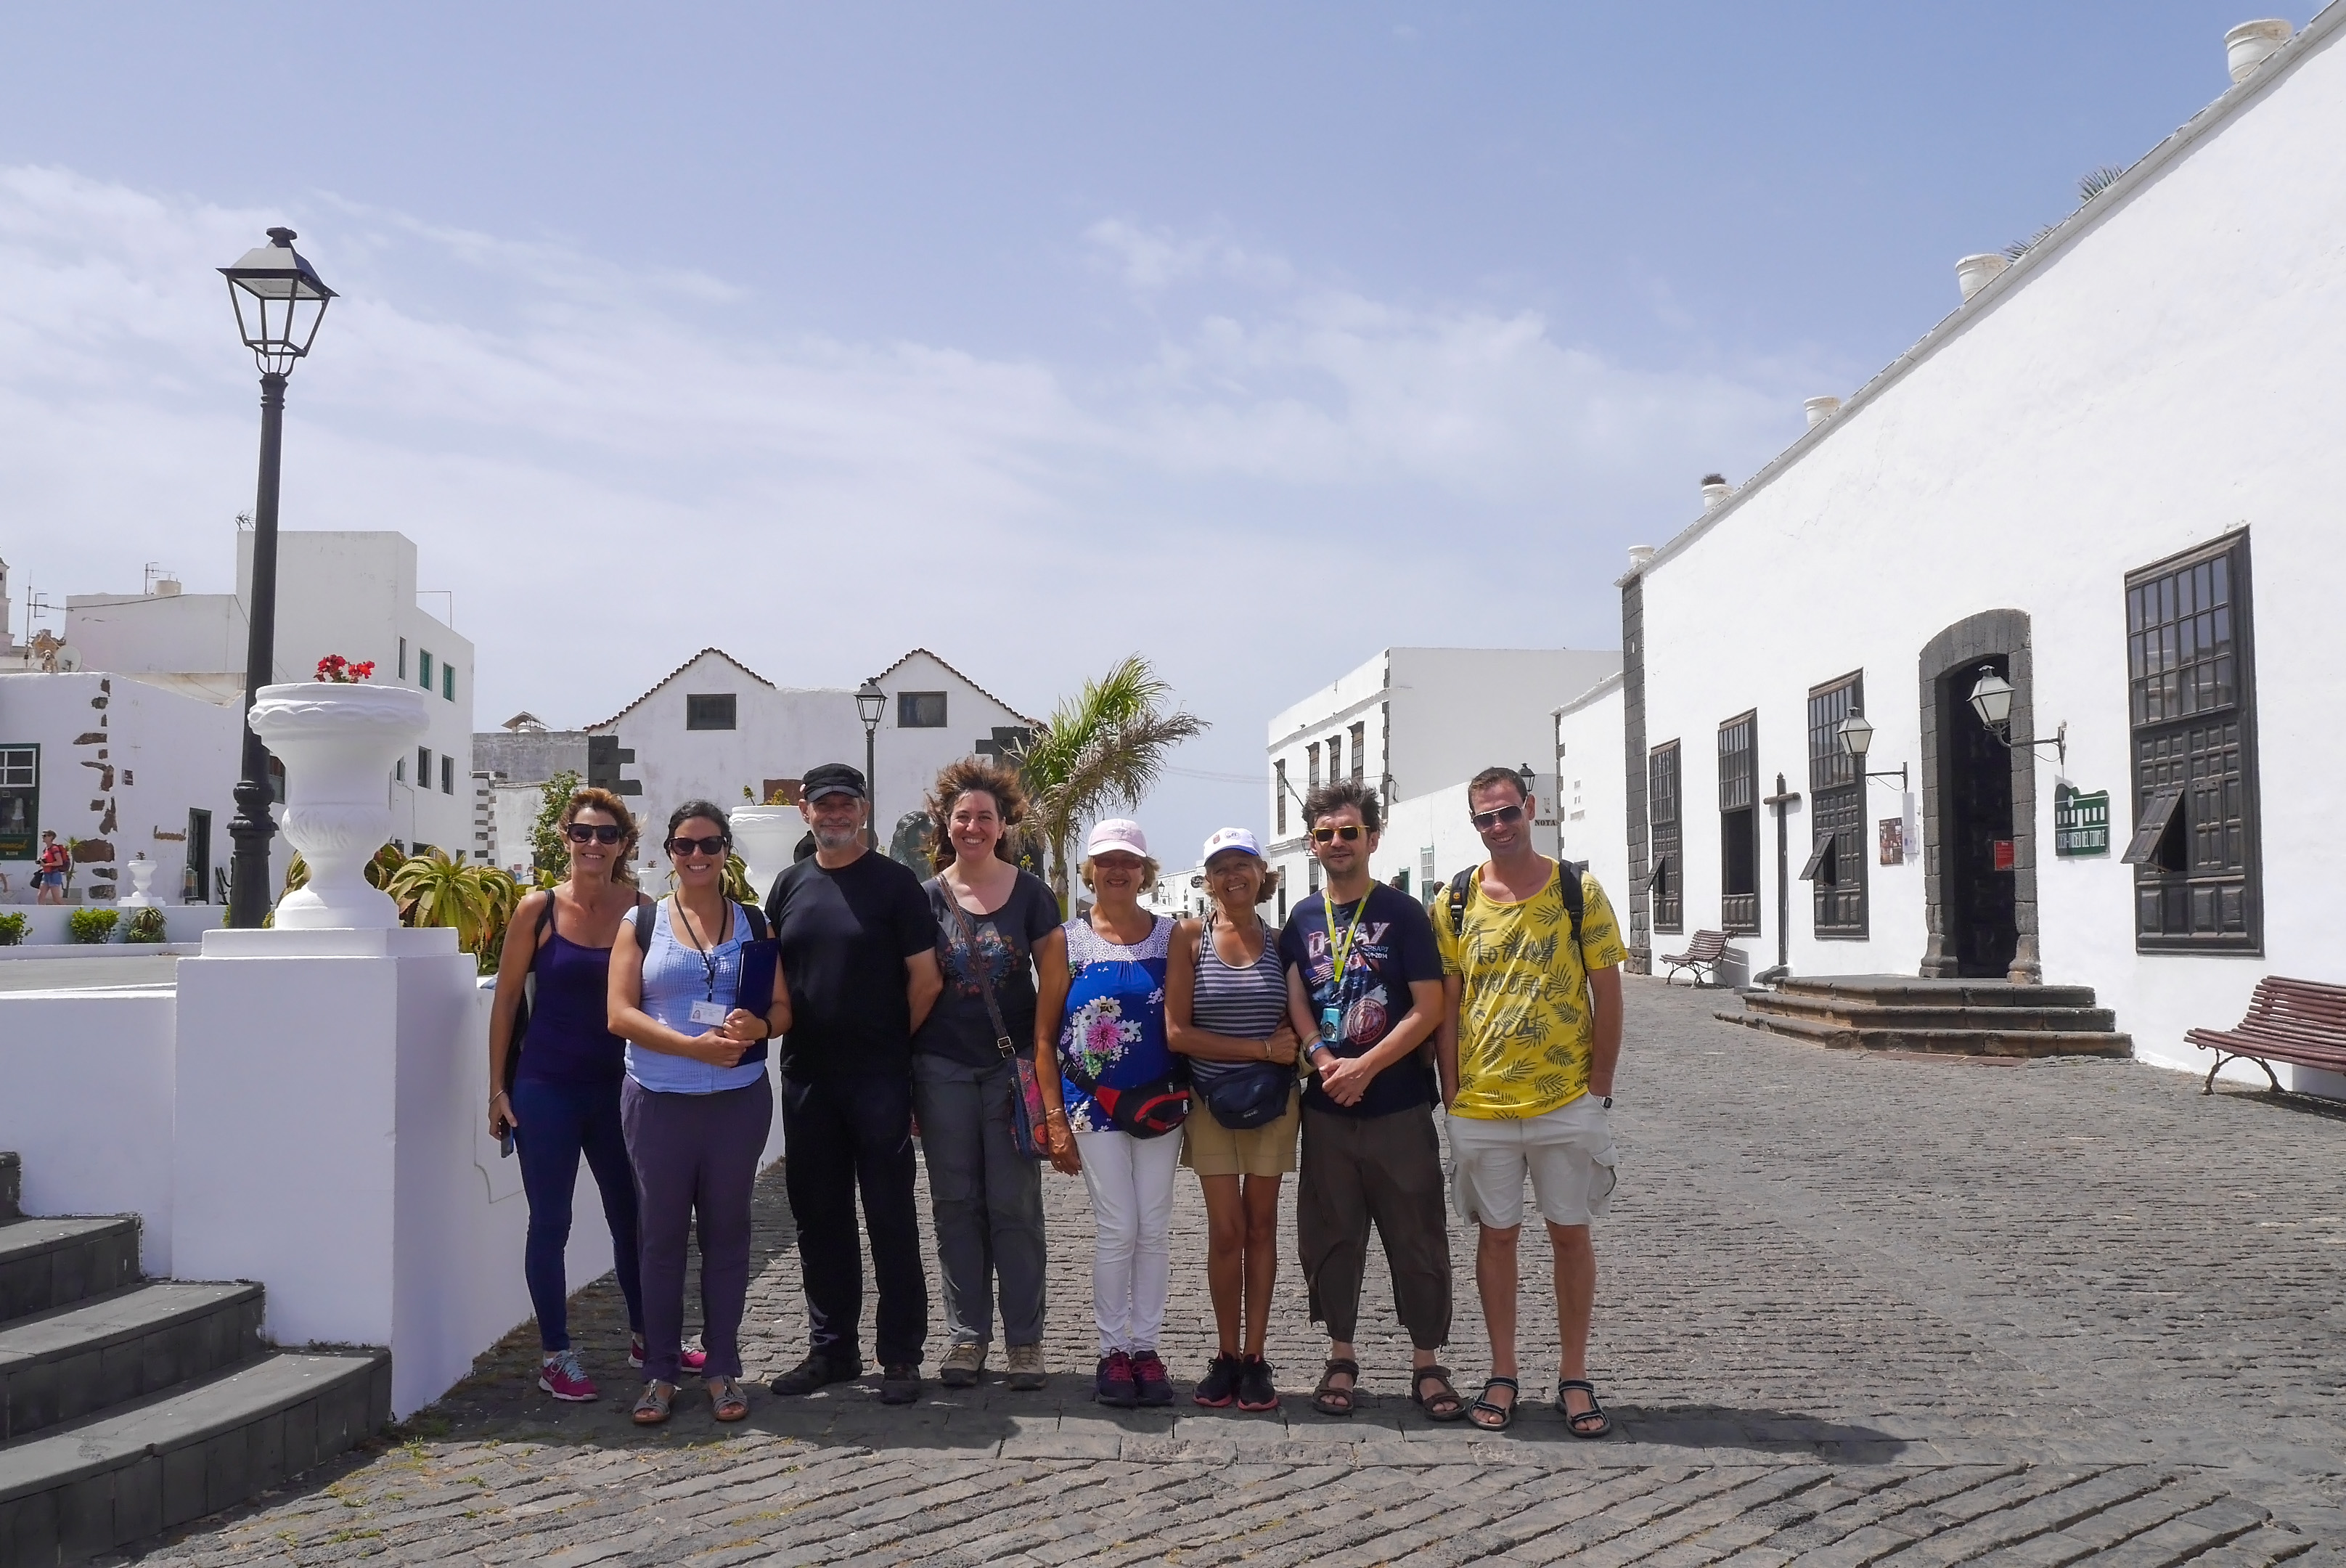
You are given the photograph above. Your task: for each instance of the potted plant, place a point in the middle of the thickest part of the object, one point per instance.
(146, 924)
(338, 735)
(12, 928)
(765, 836)
(92, 926)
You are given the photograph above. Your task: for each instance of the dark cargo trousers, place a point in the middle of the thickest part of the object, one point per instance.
(1356, 1171)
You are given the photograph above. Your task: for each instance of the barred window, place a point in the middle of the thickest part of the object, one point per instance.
(1360, 744)
(1836, 871)
(1663, 882)
(1738, 825)
(2191, 674)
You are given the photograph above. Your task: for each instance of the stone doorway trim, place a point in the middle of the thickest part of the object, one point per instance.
(1969, 641)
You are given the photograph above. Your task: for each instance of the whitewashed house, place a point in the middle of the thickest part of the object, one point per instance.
(1591, 804)
(352, 593)
(1416, 722)
(2105, 481)
(716, 729)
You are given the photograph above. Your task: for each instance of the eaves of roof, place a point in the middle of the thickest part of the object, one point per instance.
(2283, 62)
(678, 670)
(1602, 689)
(958, 675)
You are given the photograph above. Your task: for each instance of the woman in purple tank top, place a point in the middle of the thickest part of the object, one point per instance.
(560, 1100)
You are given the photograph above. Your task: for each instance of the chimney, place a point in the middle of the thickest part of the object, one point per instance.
(1640, 556)
(1715, 489)
(167, 587)
(1973, 273)
(2252, 44)
(1820, 408)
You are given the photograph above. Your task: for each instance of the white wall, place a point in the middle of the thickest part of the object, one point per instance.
(86, 1097)
(2165, 373)
(1592, 789)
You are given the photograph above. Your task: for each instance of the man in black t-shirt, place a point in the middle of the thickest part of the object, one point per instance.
(858, 957)
(1364, 985)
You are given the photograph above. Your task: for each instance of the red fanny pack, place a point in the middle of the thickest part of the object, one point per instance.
(1148, 1110)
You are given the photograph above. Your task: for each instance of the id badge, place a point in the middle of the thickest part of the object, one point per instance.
(709, 1012)
(1331, 1024)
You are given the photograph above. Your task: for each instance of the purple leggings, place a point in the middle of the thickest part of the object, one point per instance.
(695, 1158)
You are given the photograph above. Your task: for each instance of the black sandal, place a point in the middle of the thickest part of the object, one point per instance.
(1594, 1413)
(1331, 1400)
(1506, 1412)
(1445, 1391)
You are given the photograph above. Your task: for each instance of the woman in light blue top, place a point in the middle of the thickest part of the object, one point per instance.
(696, 1105)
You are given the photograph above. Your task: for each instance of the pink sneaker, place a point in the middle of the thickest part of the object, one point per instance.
(691, 1361)
(561, 1375)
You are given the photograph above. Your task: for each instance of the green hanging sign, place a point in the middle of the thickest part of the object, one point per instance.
(2081, 823)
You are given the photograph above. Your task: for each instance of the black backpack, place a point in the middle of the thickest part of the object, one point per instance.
(1462, 888)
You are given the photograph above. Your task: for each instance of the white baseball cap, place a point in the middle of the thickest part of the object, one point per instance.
(1230, 839)
(1117, 833)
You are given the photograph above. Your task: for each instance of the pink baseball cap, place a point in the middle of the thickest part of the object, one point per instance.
(1117, 833)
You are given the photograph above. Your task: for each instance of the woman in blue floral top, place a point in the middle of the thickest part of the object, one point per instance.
(1105, 1033)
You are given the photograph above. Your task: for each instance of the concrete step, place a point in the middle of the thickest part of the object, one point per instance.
(12, 1185)
(1949, 1041)
(78, 1490)
(50, 1263)
(1902, 991)
(79, 1361)
(1863, 1014)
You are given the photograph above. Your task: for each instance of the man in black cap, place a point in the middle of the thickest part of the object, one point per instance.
(859, 954)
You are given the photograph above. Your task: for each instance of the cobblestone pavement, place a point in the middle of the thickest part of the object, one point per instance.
(1854, 1310)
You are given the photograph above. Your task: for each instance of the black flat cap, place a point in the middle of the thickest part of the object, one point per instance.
(834, 779)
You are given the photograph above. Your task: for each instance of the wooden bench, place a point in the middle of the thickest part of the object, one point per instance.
(1701, 954)
(2301, 1021)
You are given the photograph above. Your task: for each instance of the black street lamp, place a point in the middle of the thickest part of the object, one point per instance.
(280, 300)
(871, 702)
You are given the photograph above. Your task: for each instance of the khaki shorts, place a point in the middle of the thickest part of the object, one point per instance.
(1567, 1153)
(1212, 1149)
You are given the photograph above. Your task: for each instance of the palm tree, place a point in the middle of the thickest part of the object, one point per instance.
(1101, 749)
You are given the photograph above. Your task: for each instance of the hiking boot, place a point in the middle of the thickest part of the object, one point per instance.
(1256, 1391)
(1219, 1386)
(814, 1372)
(560, 1374)
(691, 1361)
(1026, 1367)
(1112, 1385)
(1152, 1386)
(961, 1367)
(901, 1384)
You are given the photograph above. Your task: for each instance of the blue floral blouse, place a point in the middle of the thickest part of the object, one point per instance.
(1115, 1021)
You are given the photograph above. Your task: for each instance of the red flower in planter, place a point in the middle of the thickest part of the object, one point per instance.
(341, 671)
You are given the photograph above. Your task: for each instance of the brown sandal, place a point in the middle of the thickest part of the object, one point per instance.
(1330, 1401)
(1444, 1390)
(727, 1401)
(653, 1408)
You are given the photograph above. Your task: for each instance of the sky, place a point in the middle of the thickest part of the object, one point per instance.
(1251, 338)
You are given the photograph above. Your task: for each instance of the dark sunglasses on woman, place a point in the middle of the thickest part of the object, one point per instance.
(709, 845)
(594, 832)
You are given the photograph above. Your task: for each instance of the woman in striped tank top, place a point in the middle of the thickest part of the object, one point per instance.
(1225, 1009)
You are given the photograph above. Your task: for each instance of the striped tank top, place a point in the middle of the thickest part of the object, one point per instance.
(1243, 1003)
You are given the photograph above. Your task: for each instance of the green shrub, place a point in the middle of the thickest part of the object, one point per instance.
(92, 926)
(12, 929)
(145, 925)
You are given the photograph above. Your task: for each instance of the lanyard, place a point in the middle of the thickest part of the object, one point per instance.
(1341, 952)
(709, 958)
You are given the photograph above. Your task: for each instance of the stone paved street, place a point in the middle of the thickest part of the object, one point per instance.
(1852, 1310)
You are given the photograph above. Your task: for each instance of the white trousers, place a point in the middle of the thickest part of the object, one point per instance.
(1131, 1183)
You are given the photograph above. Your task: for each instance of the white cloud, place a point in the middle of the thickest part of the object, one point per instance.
(608, 471)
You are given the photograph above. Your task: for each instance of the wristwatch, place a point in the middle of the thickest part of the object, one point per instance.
(1608, 1102)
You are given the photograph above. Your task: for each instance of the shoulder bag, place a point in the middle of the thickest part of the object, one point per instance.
(1026, 1114)
(1240, 1096)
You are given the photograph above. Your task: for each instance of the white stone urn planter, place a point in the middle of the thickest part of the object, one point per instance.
(764, 836)
(142, 871)
(338, 743)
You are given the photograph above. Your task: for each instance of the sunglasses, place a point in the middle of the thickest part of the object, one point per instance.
(1485, 820)
(711, 846)
(1348, 832)
(594, 833)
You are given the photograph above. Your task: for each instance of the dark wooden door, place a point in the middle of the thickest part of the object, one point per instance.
(1983, 929)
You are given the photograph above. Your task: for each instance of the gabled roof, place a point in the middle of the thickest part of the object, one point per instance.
(678, 670)
(2105, 204)
(957, 675)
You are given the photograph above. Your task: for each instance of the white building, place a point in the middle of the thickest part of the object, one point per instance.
(716, 729)
(1591, 785)
(1413, 721)
(352, 593)
(2104, 479)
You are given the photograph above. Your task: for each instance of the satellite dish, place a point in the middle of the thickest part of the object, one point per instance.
(68, 658)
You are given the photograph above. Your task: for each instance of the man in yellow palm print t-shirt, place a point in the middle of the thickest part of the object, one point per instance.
(1531, 1032)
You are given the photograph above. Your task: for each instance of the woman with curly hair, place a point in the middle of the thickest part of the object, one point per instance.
(997, 926)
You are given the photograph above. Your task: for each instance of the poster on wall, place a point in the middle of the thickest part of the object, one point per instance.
(1893, 840)
(20, 802)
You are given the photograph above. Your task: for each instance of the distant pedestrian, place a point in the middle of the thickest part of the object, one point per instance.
(1226, 1010)
(1531, 1032)
(51, 877)
(858, 942)
(995, 926)
(1365, 988)
(1114, 1092)
(555, 1088)
(696, 1105)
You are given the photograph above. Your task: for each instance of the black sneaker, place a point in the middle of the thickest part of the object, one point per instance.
(1219, 1386)
(1152, 1386)
(1256, 1389)
(1113, 1385)
(814, 1372)
(900, 1384)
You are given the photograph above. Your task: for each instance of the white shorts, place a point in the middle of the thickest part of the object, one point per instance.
(1568, 1154)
